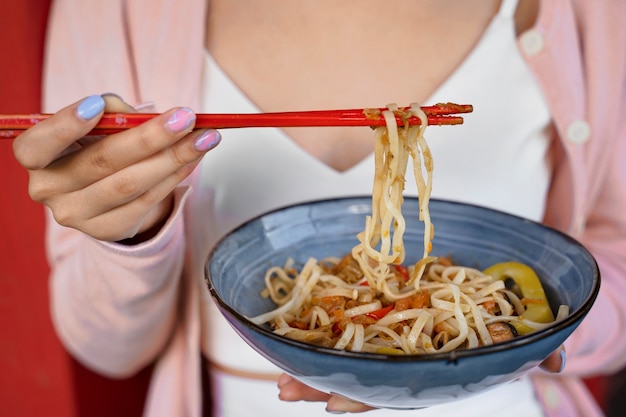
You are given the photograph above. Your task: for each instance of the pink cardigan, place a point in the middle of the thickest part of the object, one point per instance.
(119, 308)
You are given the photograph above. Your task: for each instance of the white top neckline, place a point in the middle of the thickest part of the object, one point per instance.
(497, 158)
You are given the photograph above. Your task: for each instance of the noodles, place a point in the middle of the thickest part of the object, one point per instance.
(393, 147)
(368, 301)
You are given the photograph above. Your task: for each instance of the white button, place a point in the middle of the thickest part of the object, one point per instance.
(551, 397)
(532, 42)
(578, 131)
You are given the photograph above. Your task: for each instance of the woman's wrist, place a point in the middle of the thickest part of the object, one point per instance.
(155, 228)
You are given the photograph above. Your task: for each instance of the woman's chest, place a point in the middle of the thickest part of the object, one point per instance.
(321, 55)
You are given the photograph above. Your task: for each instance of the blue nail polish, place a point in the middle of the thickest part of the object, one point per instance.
(90, 107)
(207, 141)
(562, 353)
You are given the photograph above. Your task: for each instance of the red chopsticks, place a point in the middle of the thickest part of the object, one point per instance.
(440, 114)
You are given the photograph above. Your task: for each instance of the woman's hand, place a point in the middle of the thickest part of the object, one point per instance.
(294, 390)
(112, 187)
(555, 363)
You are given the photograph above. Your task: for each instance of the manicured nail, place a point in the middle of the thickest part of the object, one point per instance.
(90, 107)
(181, 120)
(207, 140)
(335, 411)
(563, 356)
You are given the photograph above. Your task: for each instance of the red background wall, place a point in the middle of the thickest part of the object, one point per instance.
(34, 378)
(37, 377)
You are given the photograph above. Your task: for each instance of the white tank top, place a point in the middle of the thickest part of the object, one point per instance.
(498, 158)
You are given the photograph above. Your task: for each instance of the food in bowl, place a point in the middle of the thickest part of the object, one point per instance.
(473, 236)
(331, 304)
(369, 301)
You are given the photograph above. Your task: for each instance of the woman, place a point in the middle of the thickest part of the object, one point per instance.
(127, 242)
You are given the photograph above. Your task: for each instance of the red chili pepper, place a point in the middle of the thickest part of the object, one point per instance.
(380, 313)
(402, 270)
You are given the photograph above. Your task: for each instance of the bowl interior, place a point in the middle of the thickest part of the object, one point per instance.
(473, 236)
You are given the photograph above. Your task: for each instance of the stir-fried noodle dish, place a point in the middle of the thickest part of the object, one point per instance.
(369, 301)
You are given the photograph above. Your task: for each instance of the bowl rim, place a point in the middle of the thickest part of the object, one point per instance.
(451, 356)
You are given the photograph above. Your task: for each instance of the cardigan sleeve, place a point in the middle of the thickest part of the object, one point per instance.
(115, 306)
(583, 80)
(599, 345)
(600, 342)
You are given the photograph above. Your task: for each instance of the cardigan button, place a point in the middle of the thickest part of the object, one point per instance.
(532, 42)
(551, 397)
(578, 132)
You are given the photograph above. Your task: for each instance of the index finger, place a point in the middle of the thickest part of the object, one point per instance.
(40, 145)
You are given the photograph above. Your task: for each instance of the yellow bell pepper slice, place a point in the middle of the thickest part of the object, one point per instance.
(537, 306)
(388, 350)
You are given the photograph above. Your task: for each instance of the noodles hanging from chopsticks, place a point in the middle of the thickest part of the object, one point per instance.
(386, 225)
(368, 301)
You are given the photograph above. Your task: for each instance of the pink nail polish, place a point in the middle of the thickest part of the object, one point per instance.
(181, 120)
(207, 141)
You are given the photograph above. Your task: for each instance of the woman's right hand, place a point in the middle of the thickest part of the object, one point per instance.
(114, 187)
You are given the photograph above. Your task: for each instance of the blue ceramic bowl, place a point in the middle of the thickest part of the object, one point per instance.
(474, 236)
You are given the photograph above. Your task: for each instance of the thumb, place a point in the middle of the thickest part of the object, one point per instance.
(116, 104)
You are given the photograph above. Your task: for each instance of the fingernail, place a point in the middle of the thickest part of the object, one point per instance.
(90, 107)
(113, 95)
(563, 356)
(207, 140)
(181, 120)
(335, 411)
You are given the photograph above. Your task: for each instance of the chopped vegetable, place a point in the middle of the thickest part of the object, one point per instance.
(387, 350)
(403, 271)
(380, 313)
(533, 295)
(419, 300)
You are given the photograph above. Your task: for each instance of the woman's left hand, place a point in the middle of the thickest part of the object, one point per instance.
(294, 390)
